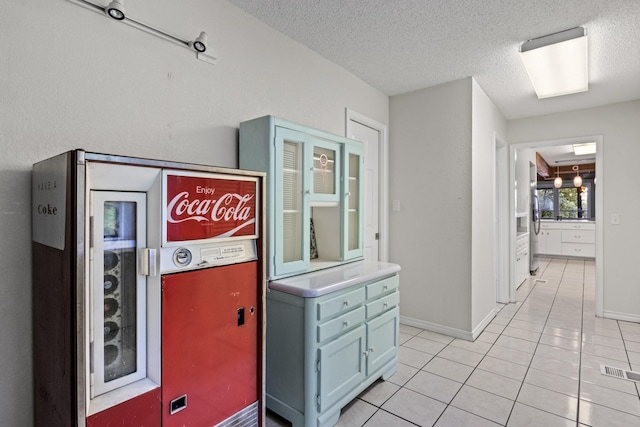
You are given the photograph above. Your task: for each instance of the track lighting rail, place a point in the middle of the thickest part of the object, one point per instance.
(115, 10)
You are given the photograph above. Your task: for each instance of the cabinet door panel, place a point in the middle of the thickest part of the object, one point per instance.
(352, 226)
(326, 171)
(292, 210)
(342, 366)
(382, 339)
(554, 242)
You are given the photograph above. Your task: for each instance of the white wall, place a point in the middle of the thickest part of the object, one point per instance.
(523, 189)
(71, 78)
(486, 123)
(443, 236)
(430, 237)
(620, 126)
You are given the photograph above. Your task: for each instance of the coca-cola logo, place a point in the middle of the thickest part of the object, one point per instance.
(228, 207)
(199, 208)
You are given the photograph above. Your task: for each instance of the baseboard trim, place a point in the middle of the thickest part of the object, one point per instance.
(436, 327)
(622, 316)
(447, 330)
(483, 324)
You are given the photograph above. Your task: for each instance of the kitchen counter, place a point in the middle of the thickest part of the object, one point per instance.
(568, 220)
(333, 279)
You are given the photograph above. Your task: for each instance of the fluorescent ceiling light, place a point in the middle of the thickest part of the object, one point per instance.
(557, 64)
(582, 149)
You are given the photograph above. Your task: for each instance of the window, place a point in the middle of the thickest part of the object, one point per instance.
(567, 202)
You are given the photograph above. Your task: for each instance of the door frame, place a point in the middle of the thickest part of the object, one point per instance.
(599, 140)
(502, 245)
(383, 173)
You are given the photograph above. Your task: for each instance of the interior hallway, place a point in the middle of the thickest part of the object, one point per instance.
(536, 364)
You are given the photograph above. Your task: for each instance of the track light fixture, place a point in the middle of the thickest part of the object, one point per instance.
(200, 43)
(115, 10)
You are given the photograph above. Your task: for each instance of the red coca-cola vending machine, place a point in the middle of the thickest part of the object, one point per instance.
(148, 293)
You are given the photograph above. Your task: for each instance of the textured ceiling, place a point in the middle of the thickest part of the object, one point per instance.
(399, 46)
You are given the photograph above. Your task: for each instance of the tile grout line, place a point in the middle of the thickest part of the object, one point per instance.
(584, 267)
(483, 357)
(538, 343)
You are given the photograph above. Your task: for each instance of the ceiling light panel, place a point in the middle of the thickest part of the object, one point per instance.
(557, 64)
(582, 149)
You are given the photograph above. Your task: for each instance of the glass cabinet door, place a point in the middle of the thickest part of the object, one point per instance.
(326, 171)
(118, 290)
(353, 202)
(292, 214)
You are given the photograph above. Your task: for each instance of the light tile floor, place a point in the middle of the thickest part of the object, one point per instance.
(536, 364)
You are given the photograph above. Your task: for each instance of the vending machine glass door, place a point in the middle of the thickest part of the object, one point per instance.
(118, 290)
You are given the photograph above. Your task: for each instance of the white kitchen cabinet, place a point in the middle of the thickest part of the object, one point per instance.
(331, 334)
(567, 238)
(313, 178)
(550, 239)
(579, 239)
(522, 258)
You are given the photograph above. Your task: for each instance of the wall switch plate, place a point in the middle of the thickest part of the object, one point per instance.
(615, 219)
(396, 206)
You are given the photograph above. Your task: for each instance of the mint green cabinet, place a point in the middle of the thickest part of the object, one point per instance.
(313, 177)
(323, 351)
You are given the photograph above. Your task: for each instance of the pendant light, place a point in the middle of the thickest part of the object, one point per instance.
(577, 180)
(558, 181)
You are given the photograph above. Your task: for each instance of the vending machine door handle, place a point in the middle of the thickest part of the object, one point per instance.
(148, 262)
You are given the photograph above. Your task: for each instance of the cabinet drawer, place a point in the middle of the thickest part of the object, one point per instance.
(578, 236)
(579, 249)
(383, 286)
(578, 226)
(383, 304)
(522, 244)
(340, 324)
(341, 303)
(550, 226)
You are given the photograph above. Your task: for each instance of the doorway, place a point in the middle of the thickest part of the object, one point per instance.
(374, 137)
(599, 214)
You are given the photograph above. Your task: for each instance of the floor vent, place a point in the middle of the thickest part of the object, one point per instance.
(620, 373)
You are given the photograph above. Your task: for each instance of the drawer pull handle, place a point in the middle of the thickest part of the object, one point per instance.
(577, 237)
(346, 303)
(385, 305)
(385, 287)
(346, 323)
(365, 353)
(370, 349)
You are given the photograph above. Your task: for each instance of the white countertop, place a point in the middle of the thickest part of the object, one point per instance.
(569, 220)
(333, 279)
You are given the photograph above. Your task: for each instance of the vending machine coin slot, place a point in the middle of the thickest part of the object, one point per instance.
(178, 404)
